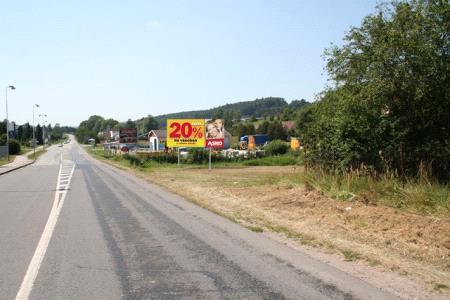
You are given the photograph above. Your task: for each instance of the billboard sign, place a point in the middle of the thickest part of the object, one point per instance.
(295, 143)
(215, 137)
(128, 136)
(186, 133)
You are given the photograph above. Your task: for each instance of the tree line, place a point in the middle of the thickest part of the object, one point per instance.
(23, 135)
(91, 127)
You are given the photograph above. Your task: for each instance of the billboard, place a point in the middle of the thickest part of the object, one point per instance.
(186, 133)
(295, 143)
(215, 137)
(128, 136)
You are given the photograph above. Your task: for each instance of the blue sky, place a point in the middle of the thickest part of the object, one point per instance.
(127, 59)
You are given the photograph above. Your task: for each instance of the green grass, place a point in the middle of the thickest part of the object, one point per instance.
(350, 255)
(24, 149)
(38, 153)
(5, 161)
(280, 160)
(414, 195)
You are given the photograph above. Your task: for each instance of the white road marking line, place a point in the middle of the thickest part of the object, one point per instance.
(41, 249)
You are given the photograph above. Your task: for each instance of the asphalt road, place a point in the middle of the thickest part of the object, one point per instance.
(101, 233)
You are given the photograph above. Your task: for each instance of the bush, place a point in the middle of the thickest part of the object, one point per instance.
(276, 147)
(14, 147)
(133, 159)
(197, 156)
(282, 160)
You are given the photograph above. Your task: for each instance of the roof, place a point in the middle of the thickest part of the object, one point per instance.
(288, 125)
(160, 134)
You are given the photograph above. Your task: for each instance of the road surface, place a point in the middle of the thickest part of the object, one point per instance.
(72, 227)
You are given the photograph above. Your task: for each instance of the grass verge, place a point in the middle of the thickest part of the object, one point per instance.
(38, 153)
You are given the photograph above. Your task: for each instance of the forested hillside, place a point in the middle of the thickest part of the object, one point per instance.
(255, 108)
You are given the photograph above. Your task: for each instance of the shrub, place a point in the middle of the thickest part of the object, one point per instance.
(197, 156)
(14, 147)
(133, 159)
(276, 147)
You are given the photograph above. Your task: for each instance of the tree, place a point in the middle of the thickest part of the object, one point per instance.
(305, 116)
(218, 114)
(250, 129)
(3, 127)
(389, 105)
(55, 133)
(14, 147)
(150, 123)
(38, 134)
(297, 104)
(263, 128)
(130, 124)
(109, 124)
(228, 119)
(239, 130)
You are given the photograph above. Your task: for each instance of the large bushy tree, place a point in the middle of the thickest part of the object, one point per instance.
(390, 106)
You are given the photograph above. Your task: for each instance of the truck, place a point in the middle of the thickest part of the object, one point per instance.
(250, 142)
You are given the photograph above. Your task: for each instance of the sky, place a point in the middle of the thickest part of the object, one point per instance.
(128, 59)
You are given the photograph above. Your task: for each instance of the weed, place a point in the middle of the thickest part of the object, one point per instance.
(350, 255)
(440, 286)
(255, 228)
(415, 195)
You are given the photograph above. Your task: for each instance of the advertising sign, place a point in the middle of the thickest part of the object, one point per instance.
(186, 133)
(128, 136)
(215, 137)
(295, 143)
(251, 143)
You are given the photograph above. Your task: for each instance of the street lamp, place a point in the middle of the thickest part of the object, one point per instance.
(43, 130)
(34, 138)
(7, 120)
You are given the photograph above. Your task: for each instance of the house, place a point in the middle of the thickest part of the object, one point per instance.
(157, 140)
(288, 125)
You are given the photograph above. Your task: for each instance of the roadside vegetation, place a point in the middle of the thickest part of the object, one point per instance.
(39, 152)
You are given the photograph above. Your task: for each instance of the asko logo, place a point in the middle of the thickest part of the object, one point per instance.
(214, 143)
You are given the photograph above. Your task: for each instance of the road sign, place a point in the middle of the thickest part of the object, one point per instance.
(128, 136)
(186, 133)
(215, 137)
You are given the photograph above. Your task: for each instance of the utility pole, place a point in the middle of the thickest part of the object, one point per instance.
(43, 130)
(7, 119)
(34, 135)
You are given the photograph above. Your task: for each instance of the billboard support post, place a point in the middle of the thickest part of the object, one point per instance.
(210, 159)
(178, 157)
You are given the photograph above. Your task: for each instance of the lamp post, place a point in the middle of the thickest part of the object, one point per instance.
(34, 137)
(7, 120)
(43, 130)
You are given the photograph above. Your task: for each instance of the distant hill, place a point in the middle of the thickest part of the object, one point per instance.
(244, 109)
